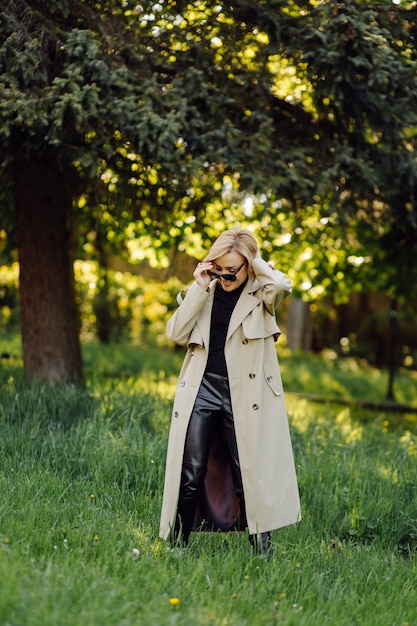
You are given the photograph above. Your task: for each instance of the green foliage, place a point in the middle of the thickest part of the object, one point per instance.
(364, 80)
(9, 300)
(165, 118)
(181, 83)
(125, 307)
(80, 495)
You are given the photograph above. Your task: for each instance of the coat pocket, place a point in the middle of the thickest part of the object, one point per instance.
(271, 379)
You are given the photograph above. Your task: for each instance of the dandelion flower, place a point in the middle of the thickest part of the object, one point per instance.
(174, 601)
(135, 553)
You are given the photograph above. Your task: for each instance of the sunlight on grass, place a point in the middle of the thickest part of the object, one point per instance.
(300, 414)
(343, 378)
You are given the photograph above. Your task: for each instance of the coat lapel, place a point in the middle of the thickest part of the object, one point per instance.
(246, 303)
(204, 320)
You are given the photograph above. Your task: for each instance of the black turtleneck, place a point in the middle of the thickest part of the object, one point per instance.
(223, 305)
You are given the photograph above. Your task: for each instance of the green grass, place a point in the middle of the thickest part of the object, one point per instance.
(81, 476)
(334, 377)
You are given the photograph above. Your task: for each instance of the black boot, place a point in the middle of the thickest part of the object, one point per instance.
(184, 522)
(261, 543)
(180, 535)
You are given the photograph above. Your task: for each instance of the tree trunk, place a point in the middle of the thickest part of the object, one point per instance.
(299, 326)
(49, 316)
(393, 348)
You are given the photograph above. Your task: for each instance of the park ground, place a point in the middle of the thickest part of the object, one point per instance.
(81, 475)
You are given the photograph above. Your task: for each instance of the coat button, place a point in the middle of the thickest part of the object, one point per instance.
(176, 414)
(255, 407)
(252, 375)
(245, 341)
(182, 384)
(269, 378)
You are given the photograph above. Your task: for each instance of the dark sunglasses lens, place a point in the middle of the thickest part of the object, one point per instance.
(230, 277)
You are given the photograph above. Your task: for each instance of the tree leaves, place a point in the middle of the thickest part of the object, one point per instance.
(309, 104)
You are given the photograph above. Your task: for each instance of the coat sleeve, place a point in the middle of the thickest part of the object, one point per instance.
(182, 322)
(275, 285)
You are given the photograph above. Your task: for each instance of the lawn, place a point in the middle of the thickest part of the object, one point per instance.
(81, 474)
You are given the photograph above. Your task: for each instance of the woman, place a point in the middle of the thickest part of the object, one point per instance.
(229, 460)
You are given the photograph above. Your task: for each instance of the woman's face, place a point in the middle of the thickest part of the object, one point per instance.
(231, 263)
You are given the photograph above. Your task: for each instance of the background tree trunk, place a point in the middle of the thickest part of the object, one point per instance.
(49, 316)
(393, 348)
(299, 325)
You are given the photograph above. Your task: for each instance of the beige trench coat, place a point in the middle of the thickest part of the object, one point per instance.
(262, 432)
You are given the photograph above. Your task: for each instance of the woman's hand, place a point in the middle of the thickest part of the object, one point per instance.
(200, 274)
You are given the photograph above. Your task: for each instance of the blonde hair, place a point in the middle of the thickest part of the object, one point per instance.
(235, 240)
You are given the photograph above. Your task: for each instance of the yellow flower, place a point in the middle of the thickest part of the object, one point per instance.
(282, 595)
(174, 601)
(234, 596)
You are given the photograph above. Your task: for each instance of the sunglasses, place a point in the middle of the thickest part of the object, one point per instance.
(231, 277)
